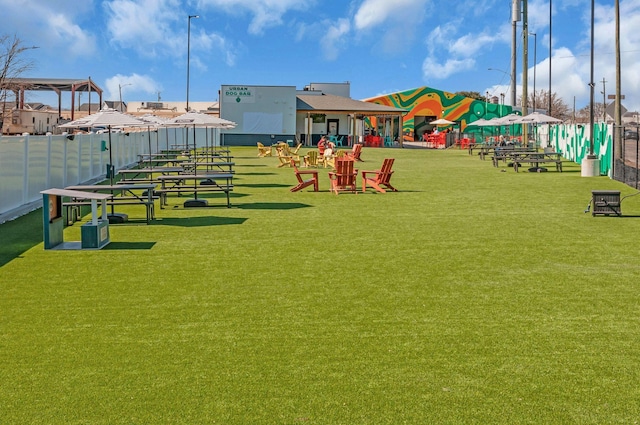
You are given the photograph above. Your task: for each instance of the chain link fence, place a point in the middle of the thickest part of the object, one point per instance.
(627, 163)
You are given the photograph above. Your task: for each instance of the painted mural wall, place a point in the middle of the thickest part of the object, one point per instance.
(429, 102)
(573, 141)
(570, 139)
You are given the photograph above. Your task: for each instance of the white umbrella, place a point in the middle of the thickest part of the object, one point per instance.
(109, 118)
(442, 121)
(105, 118)
(154, 121)
(198, 119)
(481, 123)
(506, 120)
(538, 118)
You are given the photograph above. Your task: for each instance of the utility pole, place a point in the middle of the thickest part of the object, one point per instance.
(604, 100)
(550, 51)
(617, 132)
(525, 69)
(515, 17)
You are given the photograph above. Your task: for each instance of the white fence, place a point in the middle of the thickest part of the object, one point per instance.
(30, 164)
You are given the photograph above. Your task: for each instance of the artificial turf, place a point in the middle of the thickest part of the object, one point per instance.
(471, 296)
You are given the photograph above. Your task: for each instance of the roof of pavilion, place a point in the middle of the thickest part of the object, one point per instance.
(51, 84)
(328, 103)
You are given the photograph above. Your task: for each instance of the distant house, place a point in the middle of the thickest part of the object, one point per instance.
(89, 107)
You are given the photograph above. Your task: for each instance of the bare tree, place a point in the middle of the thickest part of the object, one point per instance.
(583, 115)
(559, 109)
(12, 65)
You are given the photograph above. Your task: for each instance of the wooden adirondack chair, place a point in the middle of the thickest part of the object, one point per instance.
(311, 159)
(344, 177)
(380, 177)
(285, 156)
(294, 151)
(327, 157)
(355, 152)
(304, 183)
(263, 150)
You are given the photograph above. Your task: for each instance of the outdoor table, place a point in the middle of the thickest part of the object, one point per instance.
(146, 174)
(126, 192)
(195, 183)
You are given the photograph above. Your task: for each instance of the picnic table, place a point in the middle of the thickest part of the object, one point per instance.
(537, 158)
(145, 175)
(195, 184)
(223, 166)
(122, 194)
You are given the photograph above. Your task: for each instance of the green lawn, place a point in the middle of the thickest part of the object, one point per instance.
(472, 296)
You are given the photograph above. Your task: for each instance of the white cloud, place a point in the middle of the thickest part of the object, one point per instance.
(133, 83)
(52, 25)
(145, 26)
(149, 27)
(79, 42)
(333, 39)
(396, 22)
(266, 13)
(471, 44)
(431, 69)
(373, 13)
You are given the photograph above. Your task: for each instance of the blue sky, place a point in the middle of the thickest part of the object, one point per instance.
(380, 46)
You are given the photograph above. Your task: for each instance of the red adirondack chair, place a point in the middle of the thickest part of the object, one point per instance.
(380, 177)
(304, 183)
(355, 152)
(344, 177)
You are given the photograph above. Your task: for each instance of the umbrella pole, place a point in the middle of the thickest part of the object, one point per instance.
(150, 157)
(113, 217)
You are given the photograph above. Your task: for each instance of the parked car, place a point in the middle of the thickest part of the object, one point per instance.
(631, 134)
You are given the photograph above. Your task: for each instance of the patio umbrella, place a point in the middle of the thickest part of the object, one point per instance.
(442, 121)
(481, 123)
(198, 119)
(506, 120)
(538, 118)
(109, 118)
(154, 121)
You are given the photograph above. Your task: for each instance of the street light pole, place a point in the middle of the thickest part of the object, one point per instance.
(120, 86)
(592, 84)
(188, 53)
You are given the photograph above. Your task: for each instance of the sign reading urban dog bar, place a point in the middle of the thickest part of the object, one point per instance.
(238, 94)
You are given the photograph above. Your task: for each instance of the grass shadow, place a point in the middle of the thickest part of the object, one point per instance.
(272, 206)
(263, 185)
(129, 245)
(20, 235)
(199, 221)
(255, 174)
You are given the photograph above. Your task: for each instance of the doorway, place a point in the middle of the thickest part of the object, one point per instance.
(333, 127)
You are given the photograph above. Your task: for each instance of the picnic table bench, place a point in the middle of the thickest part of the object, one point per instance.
(195, 184)
(121, 194)
(538, 158)
(145, 175)
(223, 166)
